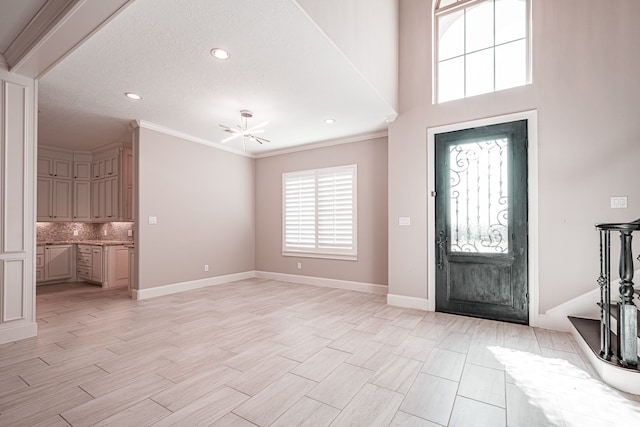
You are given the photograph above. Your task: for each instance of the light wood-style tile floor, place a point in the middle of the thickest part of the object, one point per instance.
(261, 352)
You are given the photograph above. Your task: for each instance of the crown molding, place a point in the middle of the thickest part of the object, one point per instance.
(4, 65)
(323, 144)
(152, 126)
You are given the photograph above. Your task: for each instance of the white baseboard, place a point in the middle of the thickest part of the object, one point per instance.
(18, 332)
(321, 281)
(139, 294)
(408, 302)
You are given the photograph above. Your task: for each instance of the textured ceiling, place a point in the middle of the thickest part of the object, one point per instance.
(283, 68)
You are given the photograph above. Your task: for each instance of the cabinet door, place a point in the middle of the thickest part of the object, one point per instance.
(112, 198)
(45, 166)
(111, 166)
(82, 200)
(58, 262)
(97, 169)
(44, 208)
(98, 199)
(62, 168)
(61, 200)
(82, 170)
(96, 264)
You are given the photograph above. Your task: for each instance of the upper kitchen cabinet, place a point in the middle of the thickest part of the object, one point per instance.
(85, 186)
(54, 187)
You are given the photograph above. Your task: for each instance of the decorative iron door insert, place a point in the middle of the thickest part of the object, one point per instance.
(481, 222)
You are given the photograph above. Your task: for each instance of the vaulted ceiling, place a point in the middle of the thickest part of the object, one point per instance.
(293, 64)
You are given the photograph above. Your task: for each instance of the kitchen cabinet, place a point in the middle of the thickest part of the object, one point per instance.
(105, 199)
(39, 263)
(58, 262)
(82, 170)
(83, 262)
(82, 200)
(53, 199)
(116, 266)
(96, 264)
(104, 168)
(55, 168)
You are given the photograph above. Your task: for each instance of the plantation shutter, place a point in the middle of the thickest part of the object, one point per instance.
(300, 211)
(335, 209)
(319, 212)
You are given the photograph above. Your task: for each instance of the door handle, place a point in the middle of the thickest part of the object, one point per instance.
(442, 239)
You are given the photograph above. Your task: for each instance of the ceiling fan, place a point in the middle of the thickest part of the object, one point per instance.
(242, 130)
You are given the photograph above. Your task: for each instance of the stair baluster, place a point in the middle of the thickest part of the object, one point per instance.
(605, 295)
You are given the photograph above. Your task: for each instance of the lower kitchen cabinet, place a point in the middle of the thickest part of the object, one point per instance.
(58, 263)
(104, 265)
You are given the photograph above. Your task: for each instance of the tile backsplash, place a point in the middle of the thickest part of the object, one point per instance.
(63, 231)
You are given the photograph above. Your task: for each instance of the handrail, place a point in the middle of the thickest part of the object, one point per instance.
(621, 226)
(627, 311)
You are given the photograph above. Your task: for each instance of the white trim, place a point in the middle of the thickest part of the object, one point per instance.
(139, 294)
(311, 146)
(18, 332)
(323, 144)
(4, 65)
(408, 302)
(532, 154)
(158, 128)
(323, 282)
(622, 379)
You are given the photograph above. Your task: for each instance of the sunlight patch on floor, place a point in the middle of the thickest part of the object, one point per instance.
(566, 394)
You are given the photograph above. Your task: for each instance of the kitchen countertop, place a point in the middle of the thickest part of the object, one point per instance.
(87, 242)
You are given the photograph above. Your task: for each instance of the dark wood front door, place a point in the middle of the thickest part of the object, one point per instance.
(481, 222)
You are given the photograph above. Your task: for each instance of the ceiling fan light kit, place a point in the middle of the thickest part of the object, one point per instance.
(244, 131)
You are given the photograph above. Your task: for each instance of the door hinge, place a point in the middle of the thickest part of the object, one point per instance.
(527, 296)
(434, 194)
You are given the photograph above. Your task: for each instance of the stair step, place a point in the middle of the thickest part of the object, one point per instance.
(589, 330)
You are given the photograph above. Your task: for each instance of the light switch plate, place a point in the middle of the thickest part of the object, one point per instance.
(75, 232)
(153, 220)
(404, 221)
(619, 202)
(129, 233)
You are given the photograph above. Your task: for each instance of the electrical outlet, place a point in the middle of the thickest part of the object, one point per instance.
(75, 232)
(153, 220)
(105, 232)
(206, 267)
(299, 266)
(619, 202)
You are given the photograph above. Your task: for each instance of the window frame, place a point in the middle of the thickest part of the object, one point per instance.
(452, 8)
(320, 252)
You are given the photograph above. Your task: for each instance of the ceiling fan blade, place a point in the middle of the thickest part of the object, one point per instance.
(260, 140)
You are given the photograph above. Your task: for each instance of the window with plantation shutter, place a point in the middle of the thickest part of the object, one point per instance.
(319, 213)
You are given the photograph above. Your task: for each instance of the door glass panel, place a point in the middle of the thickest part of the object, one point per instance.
(479, 196)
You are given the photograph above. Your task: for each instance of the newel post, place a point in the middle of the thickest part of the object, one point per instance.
(628, 321)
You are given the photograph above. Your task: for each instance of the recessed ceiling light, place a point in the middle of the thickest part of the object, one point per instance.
(329, 121)
(220, 53)
(132, 95)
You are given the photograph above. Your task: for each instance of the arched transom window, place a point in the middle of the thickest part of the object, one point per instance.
(481, 46)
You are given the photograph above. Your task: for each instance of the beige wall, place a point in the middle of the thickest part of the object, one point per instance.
(371, 158)
(585, 89)
(203, 199)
